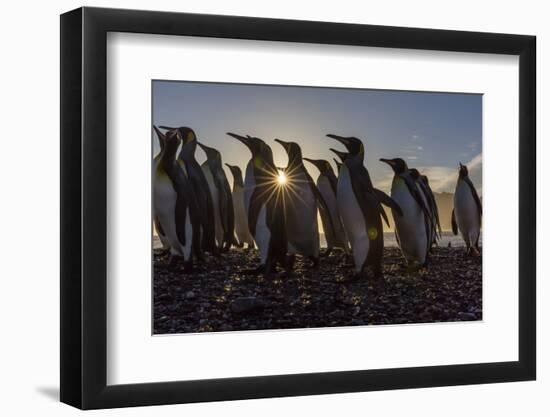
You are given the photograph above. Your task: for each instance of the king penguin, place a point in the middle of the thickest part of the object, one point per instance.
(424, 185)
(158, 228)
(175, 202)
(241, 221)
(255, 146)
(301, 198)
(414, 227)
(466, 215)
(327, 184)
(200, 187)
(360, 209)
(221, 197)
(264, 205)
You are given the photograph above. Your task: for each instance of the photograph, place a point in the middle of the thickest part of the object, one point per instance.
(300, 207)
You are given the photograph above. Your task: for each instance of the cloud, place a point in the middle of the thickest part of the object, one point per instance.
(443, 179)
(412, 157)
(472, 146)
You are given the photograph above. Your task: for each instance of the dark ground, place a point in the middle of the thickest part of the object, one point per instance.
(218, 297)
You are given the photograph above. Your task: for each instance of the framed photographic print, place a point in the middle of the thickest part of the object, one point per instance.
(257, 208)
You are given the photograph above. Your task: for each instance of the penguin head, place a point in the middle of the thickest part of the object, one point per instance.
(293, 151)
(398, 165)
(462, 170)
(322, 165)
(236, 172)
(352, 144)
(252, 143)
(414, 173)
(211, 153)
(161, 136)
(187, 137)
(342, 155)
(172, 141)
(187, 134)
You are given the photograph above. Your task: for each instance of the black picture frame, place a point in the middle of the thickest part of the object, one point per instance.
(84, 207)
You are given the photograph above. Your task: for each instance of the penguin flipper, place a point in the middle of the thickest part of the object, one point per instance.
(179, 182)
(453, 223)
(430, 199)
(321, 203)
(254, 208)
(383, 214)
(474, 194)
(333, 181)
(422, 203)
(387, 201)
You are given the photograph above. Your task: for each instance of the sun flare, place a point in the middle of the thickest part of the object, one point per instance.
(281, 178)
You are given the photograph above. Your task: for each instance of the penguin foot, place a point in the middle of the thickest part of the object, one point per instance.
(474, 252)
(163, 252)
(260, 269)
(314, 262)
(175, 260)
(289, 262)
(188, 267)
(350, 279)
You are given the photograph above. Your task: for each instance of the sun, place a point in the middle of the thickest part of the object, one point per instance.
(281, 178)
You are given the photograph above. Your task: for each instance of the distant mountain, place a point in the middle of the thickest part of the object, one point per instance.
(445, 204)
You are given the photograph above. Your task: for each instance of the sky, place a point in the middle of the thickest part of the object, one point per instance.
(431, 131)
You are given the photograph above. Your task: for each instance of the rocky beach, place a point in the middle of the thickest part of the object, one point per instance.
(217, 296)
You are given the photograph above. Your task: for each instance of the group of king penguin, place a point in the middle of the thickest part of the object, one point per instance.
(195, 211)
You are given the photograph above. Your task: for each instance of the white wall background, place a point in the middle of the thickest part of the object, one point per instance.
(29, 178)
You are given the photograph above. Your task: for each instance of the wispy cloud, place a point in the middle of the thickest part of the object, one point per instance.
(472, 146)
(443, 179)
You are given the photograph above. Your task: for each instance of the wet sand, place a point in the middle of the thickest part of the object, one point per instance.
(218, 297)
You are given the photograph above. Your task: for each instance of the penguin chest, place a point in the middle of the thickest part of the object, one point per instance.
(214, 192)
(349, 206)
(466, 212)
(164, 207)
(411, 226)
(164, 195)
(249, 185)
(241, 221)
(326, 191)
(301, 215)
(352, 218)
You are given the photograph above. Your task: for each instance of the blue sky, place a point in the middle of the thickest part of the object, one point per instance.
(431, 131)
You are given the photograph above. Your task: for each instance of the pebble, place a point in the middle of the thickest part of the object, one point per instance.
(450, 290)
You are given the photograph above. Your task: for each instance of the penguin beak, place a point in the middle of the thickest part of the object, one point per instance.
(204, 148)
(242, 139)
(282, 143)
(167, 128)
(387, 161)
(159, 133)
(340, 139)
(313, 162)
(340, 154)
